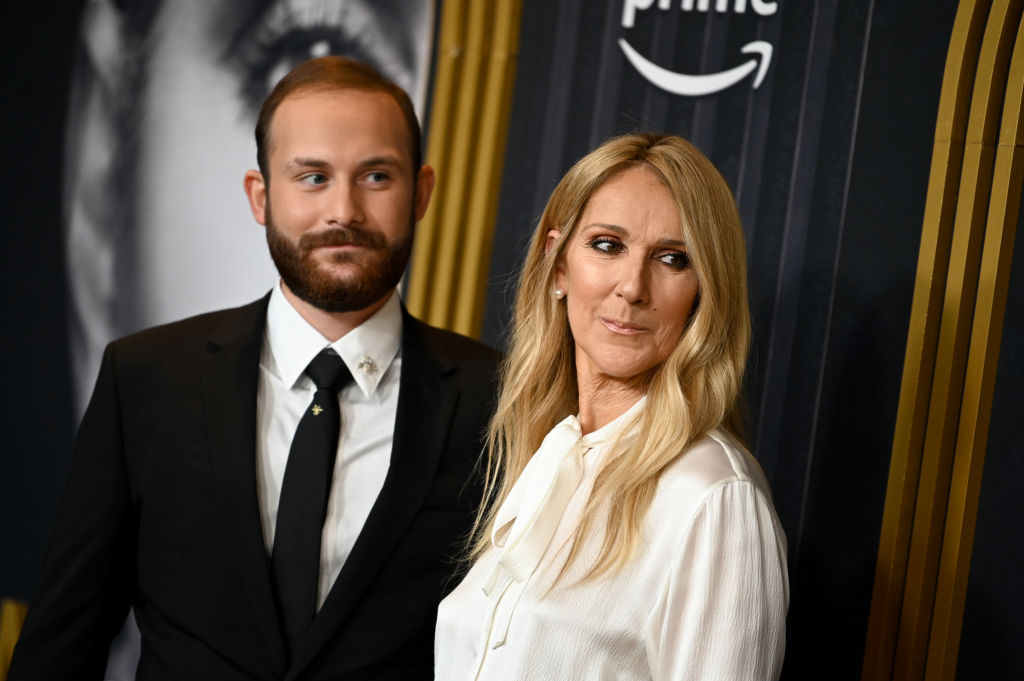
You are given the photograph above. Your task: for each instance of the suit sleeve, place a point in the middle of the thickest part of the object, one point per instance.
(88, 577)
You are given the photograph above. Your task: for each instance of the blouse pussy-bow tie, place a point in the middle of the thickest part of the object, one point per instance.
(526, 521)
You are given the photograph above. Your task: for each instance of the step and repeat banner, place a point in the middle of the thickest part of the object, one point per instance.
(131, 126)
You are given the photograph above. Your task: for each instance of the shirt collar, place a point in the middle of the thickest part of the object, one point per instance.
(615, 427)
(367, 350)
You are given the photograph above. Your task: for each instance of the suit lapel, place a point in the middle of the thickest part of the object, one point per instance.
(426, 401)
(229, 377)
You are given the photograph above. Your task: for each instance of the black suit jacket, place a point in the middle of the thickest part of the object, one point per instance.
(161, 513)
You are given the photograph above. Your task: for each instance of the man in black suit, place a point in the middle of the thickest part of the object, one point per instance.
(184, 456)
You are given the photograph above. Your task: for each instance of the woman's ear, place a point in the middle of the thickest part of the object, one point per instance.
(551, 240)
(553, 236)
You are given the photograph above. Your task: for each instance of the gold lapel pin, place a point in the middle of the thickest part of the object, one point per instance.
(317, 409)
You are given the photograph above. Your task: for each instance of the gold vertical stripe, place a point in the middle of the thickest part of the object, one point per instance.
(482, 206)
(954, 335)
(457, 185)
(979, 383)
(467, 141)
(12, 615)
(918, 365)
(450, 55)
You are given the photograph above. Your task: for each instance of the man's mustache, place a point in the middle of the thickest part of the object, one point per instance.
(343, 236)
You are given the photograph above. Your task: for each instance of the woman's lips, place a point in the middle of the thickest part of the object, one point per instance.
(623, 328)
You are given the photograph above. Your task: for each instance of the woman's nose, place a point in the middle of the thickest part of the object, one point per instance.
(632, 283)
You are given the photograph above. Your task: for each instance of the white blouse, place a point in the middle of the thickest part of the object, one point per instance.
(704, 598)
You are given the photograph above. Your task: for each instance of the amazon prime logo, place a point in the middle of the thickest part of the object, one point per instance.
(707, 83)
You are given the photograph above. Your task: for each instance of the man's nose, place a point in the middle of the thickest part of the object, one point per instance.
(346, 205)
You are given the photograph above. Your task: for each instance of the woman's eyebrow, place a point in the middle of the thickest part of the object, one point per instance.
(672, 243)
(622, 231)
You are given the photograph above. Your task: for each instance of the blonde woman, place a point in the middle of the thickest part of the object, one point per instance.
(628, 534)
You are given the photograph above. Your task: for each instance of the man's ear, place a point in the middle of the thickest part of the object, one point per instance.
(256, 191)
(424, 188)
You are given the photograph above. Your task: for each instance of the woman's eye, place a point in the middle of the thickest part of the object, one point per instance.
(676, 259)
(605, 245)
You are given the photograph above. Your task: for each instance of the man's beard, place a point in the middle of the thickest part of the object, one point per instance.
(381, 265)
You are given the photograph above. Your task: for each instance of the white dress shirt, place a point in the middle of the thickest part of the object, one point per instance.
(704, 598)
(368, 404)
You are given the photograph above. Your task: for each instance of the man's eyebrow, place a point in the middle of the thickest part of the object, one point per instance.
(388, 160)
(303, 162)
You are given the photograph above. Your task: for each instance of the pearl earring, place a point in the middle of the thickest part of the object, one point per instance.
(558, 293)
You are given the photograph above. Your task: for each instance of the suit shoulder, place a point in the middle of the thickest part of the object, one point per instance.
(457, 348)
(192, 331)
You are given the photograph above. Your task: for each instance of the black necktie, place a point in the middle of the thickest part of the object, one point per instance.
(295, 560)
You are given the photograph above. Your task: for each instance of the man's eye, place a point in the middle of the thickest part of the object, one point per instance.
(676, 259)
(377, 177)
(315, 179)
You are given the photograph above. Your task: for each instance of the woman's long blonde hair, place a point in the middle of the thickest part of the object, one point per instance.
(696, 388)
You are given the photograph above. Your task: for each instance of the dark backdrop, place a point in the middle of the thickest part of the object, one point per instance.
(829, 160)
(36, 420)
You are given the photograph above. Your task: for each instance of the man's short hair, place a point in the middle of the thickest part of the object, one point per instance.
(335, 73)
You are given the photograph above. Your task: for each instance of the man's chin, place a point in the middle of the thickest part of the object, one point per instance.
(340, 256)
(343, 267)
(340, 287)
(331, 298)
